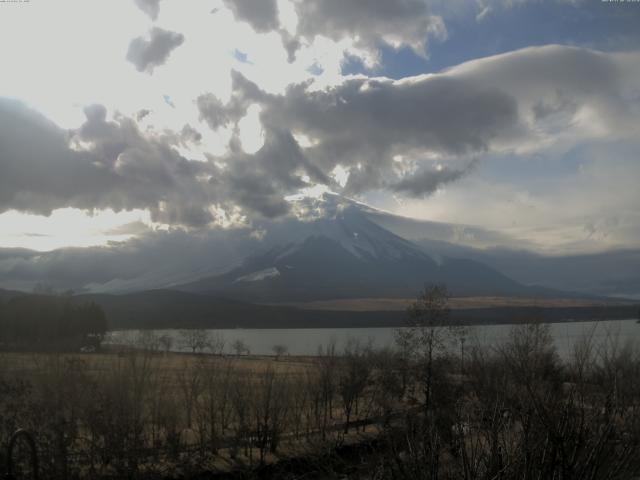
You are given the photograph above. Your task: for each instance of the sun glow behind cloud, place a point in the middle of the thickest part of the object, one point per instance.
(70, 227)
(251, 133)
(59, 67)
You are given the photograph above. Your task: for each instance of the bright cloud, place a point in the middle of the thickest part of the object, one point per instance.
(70, 227)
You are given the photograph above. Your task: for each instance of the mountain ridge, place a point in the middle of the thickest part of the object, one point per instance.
(172, 259)
(351, 256)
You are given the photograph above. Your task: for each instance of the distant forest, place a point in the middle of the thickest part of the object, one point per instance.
(49, 322)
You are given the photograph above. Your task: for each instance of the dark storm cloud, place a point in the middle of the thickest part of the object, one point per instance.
(150, 7)
(112, 165)
(147, 53)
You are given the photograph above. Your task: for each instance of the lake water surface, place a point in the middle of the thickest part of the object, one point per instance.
(305, 341)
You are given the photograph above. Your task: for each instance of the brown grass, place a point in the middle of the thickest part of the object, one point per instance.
(399, 304)
(27, 364)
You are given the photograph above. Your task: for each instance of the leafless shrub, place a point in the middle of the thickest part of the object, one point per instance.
(354, 376)
(195, 340)
(279, 351)
(240, 348)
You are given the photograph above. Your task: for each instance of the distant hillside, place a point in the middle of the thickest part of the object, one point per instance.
(172, 309)
(169, 309)
(7, 294)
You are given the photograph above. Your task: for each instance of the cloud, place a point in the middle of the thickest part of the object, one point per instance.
(525, 101)
(426, 182)
(363, 124)
(262, 15)
(259, 182)
(396, 23)
(217, 114)
(366, 23)
(103, 164)
(384, 134)
(39, 170)
(213, 111)
(154, 259)
(388, 134)
(360, 125)
(147, 53)
(141, 114)
(581, 201)
(150, 7)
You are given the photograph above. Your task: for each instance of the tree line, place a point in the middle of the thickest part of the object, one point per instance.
(46, 322)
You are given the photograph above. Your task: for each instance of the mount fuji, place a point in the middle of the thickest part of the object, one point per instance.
(347, 255)
(328, 246)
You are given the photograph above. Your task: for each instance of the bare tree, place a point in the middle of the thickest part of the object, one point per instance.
(428, 328)
(215, 405)
(389, 382)
(217, 343)
(239, 347)
(279, 350)
(148, 340)
(197, 340)
(354, 376)
(190, 383)
(327, 362)
(166, 342)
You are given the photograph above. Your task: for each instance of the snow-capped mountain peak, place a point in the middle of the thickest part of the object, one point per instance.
(363, 238)
(345, 254)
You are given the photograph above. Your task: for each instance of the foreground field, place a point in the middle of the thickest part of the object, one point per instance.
(136, 413)
(509, 412)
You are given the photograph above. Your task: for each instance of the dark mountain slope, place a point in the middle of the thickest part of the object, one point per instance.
(351, 256)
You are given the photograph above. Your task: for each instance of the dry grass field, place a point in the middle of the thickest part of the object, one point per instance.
(415, 413)
(171, 364)
(128, 411)
(400, 304)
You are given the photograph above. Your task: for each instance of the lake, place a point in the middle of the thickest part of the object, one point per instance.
(305, 341)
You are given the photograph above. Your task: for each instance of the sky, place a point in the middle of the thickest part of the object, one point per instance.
(128, 118)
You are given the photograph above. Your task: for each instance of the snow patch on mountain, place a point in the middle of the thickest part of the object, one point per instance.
(259, 275)
(363, 238)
